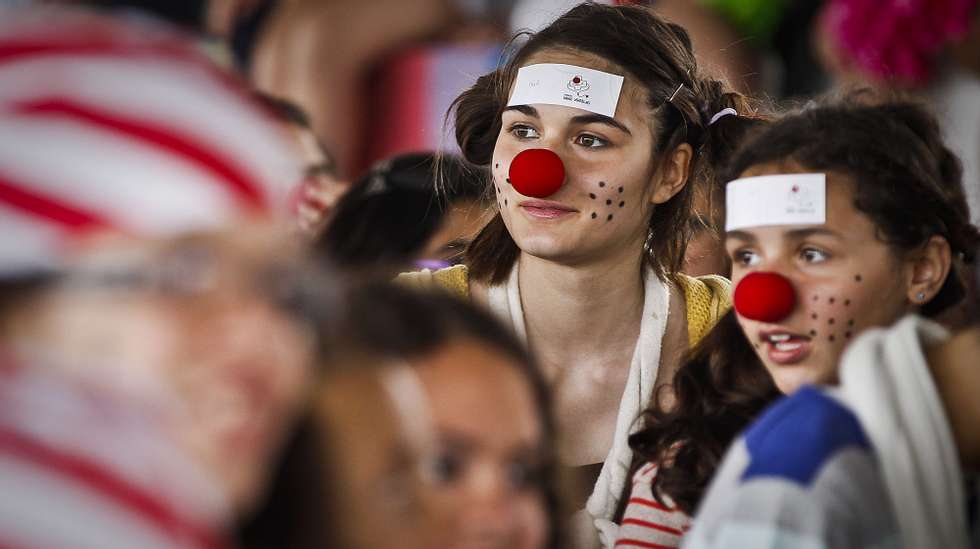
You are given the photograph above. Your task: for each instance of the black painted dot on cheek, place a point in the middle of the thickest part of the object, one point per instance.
(608, 202)
(620, 189)
(594, 215)
(602, 183)
(813, 333)
(831, 300)
(592, 196)
(497, 165)
(831, 321)
(609, 218)
(813, 316)
(816, 298)
(857, 278)
(831, 338)
(621, 204)
(847, 302)
(847, 335)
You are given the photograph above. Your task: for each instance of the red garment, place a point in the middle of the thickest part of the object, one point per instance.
(81, 469)
(648, 523)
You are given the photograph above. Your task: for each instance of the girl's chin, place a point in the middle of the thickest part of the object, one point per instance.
(789, 379)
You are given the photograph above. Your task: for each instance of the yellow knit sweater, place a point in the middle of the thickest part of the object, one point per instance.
(707, 297)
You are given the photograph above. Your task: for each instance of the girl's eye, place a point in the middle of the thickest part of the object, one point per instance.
(447, 468)
(813, 255)
(522, 476)
(522, 131)
(590, 141)
(745, 258)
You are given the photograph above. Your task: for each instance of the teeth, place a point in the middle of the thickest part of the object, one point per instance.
(788, 346)
(779, 338)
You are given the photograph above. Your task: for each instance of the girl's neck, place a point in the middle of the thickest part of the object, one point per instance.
(572, 311)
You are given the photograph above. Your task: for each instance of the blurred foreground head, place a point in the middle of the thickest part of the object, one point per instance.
(123, 128)
(141, 191)
(438, 425)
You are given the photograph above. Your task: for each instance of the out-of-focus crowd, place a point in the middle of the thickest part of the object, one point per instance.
(270, 275)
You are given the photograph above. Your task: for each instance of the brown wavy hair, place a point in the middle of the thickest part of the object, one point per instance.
(906, 181)
(656, 54)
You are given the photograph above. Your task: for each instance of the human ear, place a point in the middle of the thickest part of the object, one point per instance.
(928, 268)
(674, 172)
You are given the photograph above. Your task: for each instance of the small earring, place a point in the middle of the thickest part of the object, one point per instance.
(920, 296)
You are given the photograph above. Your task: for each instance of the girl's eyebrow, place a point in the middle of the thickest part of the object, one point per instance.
(524, 109)
(800, 234)
(795, 234)
(581, 119)
(744, 236)
(601, 119)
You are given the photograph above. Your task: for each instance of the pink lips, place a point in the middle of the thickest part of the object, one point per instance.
(785, 348)
(545, 209)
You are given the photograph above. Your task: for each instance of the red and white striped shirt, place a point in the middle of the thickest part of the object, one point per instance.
(81, 469)
(123, 125)
(648, 523)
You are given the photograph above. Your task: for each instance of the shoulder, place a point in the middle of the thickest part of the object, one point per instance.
(796, 437)
(707, 298)
(454, 280)
(804, 474)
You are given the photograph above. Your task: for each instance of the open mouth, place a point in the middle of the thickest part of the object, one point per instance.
(786, 348)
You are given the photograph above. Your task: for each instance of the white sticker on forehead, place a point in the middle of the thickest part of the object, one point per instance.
(790, 199)
(569, 86)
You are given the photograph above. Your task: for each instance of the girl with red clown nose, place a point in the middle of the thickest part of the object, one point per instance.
(593, 137)
(840, 218)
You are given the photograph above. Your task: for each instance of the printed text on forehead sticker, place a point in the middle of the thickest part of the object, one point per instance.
(568, 85)
(790, 199)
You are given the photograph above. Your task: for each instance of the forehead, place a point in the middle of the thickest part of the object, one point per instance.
(469, 382)
(633, 98)
(841, 214)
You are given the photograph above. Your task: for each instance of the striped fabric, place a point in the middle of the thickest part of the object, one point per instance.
(80, 469)
(647, 522)
(123, 125)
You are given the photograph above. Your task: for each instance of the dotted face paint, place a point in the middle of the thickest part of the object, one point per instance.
(813, 333)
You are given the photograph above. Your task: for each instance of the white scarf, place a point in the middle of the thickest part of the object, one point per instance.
(886, 381)
(505, 302)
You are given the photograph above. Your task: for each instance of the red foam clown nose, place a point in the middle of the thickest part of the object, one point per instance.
(537, 173)
(766, 297)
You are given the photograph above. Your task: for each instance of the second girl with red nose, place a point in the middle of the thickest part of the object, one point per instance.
(856, 217)
(594, 136)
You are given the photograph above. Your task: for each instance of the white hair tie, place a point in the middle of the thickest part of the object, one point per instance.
(722, 114)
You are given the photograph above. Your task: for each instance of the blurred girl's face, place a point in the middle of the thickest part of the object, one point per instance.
(198, 319)
(378, 454)
(607, 197)
(491, 448)
(845, 277)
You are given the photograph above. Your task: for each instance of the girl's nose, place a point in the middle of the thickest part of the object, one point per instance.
(766, 297)
(537, 173)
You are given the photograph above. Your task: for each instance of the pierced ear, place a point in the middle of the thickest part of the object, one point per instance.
(929, 268)
(674, 173)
